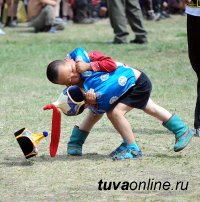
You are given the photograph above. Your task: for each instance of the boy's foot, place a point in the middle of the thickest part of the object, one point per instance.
(197, 132)
(119, 149)
(183, 140)
(128, 154)
(74, 150)
(76, 141)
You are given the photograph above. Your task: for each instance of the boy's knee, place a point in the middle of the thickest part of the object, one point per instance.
(151, 108)
(114, 113)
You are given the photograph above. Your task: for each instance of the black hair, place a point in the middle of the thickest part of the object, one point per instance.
(52, 70)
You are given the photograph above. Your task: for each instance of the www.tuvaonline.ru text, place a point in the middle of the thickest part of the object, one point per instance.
(148, 185)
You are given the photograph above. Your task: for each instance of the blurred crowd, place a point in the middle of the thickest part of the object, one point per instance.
(53, 15)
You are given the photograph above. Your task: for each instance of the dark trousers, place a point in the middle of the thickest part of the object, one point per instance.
(193, 33)
(81, 10)
(122, 10)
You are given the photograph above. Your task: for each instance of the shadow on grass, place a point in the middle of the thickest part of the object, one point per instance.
(12, 162)
(139, 131)
(157, 155)
(29, 31)
(64, 157)
(16, 161)
(149, 131)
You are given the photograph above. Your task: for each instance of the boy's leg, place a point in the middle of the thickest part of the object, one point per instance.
(173, 123)
(129, 149)
(157, 111)
(121, 124)
(80, 133)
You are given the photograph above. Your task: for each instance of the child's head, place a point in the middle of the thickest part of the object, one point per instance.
(63, 72)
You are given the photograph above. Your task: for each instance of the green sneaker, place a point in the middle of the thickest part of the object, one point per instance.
(183, 133)
(77, 139)
(183, 140)
(75, 150)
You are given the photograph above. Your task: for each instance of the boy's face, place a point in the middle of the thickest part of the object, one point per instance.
(68, 74)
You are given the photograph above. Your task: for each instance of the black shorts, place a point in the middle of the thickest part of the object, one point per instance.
(138, 95)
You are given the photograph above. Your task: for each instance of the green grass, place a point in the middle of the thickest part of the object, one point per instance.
(24, 90)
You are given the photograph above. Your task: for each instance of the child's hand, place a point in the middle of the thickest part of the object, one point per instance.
(90, 97)
(82, 66)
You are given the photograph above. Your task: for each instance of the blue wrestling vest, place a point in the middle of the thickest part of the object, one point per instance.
(79, 54)
(108, 86)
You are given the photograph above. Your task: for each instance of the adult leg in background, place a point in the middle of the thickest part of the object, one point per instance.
(118, 20)
(193, 33)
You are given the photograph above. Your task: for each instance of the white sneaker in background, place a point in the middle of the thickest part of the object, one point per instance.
(197, 132)
(2, 32)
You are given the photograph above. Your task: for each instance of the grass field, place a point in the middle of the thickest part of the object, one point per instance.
(24, 90)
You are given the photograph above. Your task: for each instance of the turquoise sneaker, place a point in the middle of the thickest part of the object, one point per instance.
(119, 149)
(128, 154)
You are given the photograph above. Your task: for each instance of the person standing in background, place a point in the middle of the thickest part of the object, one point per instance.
(67, 12)
(82, 14)
(1, 25)
(193, 34)
(119, 12)
(11, 20)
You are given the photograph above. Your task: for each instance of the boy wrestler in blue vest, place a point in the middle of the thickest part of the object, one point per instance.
(115, 89)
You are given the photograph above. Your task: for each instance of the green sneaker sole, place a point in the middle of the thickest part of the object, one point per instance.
(188, 136)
